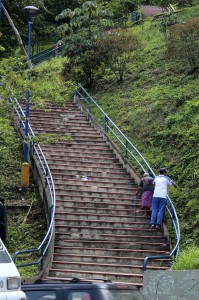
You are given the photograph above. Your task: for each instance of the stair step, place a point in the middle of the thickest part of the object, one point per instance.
(80, 162)
(95, 210)
(75, 229)
(104, 214)
(96, 201)
(115, 252)
(106, 222)
(112, 244)
(96, 176)
(102, 259)
(112, 237)
(63, 126)
(68, 145)
(56, 123)
(63, 212)
(90, 266)
(95, 192)
(89, 185)
(93, 151)
(76, 201)
(80, 181)
(87, 170)
(66, 279)
(114, 276)
(83, 158)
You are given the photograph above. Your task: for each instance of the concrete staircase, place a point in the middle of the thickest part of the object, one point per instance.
(101, 231)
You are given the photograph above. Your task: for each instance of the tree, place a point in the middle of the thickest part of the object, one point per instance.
(183, 44)
(122, 9)
(40, 28)
(121, 48)
(82, 27)
(18, 37)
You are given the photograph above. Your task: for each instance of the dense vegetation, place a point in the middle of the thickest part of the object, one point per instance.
(157, 107)
(150, 90)
(25, 212)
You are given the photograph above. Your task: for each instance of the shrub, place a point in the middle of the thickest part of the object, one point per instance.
(183, 44)
(121, 48)
(187, 260)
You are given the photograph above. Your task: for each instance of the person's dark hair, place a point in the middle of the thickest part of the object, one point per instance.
(163, 171)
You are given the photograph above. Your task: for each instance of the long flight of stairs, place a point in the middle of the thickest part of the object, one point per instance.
(100, 229)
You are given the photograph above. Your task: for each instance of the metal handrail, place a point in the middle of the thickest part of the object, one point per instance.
(127, 146)
(49, 184)
(47, 54)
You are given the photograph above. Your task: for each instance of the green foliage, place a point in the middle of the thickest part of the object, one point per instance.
(14, 79)
(167, 20)
(48, 138)
(91, 50)
(9, 144)
(1, 48)
(183, 44)
(48, 84)
(121, 10)
(120, 48)
(187, 260)
(25, 228)
(45, 82)
(189, 13)
(157, 108)
(82, 28)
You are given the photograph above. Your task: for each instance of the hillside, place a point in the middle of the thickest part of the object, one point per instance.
(157, 107)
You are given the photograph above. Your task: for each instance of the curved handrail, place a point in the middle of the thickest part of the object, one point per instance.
(110, 127)
(48, 182)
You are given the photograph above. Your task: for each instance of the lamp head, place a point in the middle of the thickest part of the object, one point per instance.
(30, 12)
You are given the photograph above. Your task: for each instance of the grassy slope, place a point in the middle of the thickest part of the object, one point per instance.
(157, 108)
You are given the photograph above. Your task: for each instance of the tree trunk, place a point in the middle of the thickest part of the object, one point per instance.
(19, 40)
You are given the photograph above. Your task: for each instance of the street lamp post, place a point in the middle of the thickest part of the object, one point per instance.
(57, 11)
(30, 12)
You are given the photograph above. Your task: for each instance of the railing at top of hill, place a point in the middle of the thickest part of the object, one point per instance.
(47, 54)
(48, 183)
(127, 148)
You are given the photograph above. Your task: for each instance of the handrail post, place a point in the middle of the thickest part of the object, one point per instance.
(42, 258)
(31, 148)
(145, 263)
(20, 122)
(46, 174)
(126, 149)
(89, 105)
(105, 124)
(50, 213)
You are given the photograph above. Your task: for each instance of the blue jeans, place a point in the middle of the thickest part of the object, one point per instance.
(158, 210)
